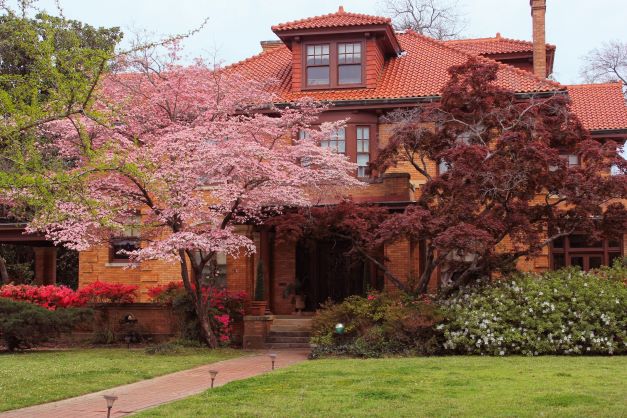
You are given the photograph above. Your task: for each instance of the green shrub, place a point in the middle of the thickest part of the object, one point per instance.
(376, 326)
(561, 312)
(24, 325)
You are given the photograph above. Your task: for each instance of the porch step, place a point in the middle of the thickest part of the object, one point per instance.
(287, 345)
(289, 334)
(295, 340)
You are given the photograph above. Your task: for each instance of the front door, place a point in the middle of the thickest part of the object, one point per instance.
(327, 271)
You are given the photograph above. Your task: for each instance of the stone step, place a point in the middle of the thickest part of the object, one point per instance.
(272, 340)
(292, 322)
(284, 330)
(289, 334)
(287, 345)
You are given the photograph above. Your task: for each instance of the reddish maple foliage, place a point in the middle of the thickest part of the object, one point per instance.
(505, 190)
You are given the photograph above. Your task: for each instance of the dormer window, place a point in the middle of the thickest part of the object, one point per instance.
(334, 64)
(349, 63)
(318, 61)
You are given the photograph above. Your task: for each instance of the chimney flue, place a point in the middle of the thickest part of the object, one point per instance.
(538, 14)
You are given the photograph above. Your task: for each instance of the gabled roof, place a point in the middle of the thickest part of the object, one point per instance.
(599, 106)
(495, 46)
(422, 71)
(332, 20)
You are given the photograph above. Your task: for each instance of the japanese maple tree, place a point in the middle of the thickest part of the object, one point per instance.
(194, 151)
(506, 189)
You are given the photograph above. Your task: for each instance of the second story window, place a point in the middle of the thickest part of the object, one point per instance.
(336, 142)
(318, 65)
(349, 63)
(363, 150)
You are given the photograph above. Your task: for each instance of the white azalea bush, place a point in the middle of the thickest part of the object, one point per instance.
(560, 312)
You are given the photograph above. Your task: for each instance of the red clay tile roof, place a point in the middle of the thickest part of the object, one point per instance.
(332, 20)
(599, 106)
(494, 46)
(420, 72)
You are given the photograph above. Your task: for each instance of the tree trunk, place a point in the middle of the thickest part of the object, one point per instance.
(4, 275)
(192, 286)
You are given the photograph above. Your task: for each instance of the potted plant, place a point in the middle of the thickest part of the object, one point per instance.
(296, 289)
(259, 304)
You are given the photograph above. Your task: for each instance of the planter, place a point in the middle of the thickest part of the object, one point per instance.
(258, 307)
(299, 303)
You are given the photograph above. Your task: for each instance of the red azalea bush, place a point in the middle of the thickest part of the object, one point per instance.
(224, 308)
(49, 297)
(52, 297)
(101, 292)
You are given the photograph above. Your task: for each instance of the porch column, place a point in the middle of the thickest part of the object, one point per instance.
(45, 265)
(264, 257)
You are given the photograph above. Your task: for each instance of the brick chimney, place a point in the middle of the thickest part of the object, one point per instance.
(270, 45)
(538, 14)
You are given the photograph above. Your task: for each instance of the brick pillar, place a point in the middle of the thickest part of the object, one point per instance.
(45, 265)
(399, 262)
(284, 275)
(538, 14)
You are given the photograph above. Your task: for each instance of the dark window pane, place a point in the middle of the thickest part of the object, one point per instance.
(577, 260)
(558, 261)
(558, 242)
(614, 256)
(122, 244)
(317, 76)
(349, 74)
(614, 243)
(595, 261)
(582, 241)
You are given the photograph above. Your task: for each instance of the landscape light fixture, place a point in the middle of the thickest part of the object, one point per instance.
(110, 399)
(213, 374)
(273, 358)
(339, 328)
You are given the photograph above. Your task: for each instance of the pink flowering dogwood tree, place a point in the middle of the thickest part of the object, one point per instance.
(195, 151)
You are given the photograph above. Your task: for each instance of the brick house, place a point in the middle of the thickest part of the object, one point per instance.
(365, 69)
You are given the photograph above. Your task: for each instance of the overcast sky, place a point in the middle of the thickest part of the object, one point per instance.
(236, 26)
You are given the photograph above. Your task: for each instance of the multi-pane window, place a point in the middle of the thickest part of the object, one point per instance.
(349, 62)
(336, 141)
(318, 63)
(579, 250)
(363, 150)
(570, 159)
(214, 273)
(125, 242)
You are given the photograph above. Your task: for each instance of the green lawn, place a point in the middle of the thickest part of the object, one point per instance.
(435, 386)
(31, 378)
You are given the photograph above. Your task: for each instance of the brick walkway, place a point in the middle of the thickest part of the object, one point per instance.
(148, 393)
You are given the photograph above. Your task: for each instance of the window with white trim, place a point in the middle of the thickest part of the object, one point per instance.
(363, 150)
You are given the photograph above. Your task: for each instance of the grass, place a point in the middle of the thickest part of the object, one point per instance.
(416, 387)
(35, 377)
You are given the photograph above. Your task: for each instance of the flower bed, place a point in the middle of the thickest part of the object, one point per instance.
(224, 308)
(561, 312)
